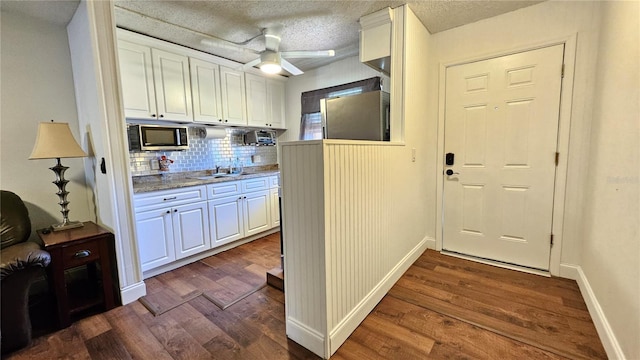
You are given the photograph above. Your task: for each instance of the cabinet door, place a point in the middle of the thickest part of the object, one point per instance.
(225, 220)
(205, 89)
(275, 101)
(154, 234)
(257, 212)
(136, 74)
(257, 109)
(275, 208)
(173, 86)
(191, 229)
(233, 96)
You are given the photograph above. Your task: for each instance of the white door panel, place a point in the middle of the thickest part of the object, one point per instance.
(501, 121)
(225, 220)
(191, 229)
(155, 238)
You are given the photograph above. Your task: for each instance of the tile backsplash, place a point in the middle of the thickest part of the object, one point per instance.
(205, 154)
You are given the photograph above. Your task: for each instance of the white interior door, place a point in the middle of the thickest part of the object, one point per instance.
(501, 124)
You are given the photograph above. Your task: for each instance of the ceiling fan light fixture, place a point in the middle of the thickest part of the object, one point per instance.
(270, 62)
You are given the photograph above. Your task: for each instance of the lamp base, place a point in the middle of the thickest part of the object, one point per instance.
(65, 225)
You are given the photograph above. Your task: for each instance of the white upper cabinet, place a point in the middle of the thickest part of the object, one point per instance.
(257, 109)
(233, 96)
(275, 101)
(265, 102)
(163, 81)
(205, 89)
(155, 83)
(136, 74)
(173, 86)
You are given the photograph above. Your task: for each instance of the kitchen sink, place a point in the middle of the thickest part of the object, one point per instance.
(215, 176)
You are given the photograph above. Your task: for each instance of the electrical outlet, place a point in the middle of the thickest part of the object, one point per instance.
(413, 155)
(256, 159)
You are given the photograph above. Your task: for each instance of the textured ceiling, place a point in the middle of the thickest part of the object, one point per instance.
(308, 25)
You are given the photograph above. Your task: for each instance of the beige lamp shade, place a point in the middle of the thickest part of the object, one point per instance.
(55, 140)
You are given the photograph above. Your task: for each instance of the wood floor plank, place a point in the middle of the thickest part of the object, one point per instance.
(453, 337)
(548, 338)
(107, 346)
(136, 336)
(93, 326)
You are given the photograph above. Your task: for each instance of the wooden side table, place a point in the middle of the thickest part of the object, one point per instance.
(88, 246)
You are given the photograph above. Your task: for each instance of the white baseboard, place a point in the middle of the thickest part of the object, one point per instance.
(569, 271)
(339, 334)
(431, 243)
(309, 338)
(609, 341)
(133, 292)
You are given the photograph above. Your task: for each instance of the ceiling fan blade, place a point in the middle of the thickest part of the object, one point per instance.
(289, 67)
(250, 64)
(307, 54)
(222, 44)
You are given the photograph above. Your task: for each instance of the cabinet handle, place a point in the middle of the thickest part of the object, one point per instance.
(170, 198)
(153, 115)
(175, 210)
(161, 115)
(226, 121)
(168, 212)
(82, 254)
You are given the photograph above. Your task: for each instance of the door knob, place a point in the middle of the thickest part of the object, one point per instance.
(450, 172)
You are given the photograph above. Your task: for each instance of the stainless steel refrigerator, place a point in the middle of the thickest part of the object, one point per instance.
(357, 117)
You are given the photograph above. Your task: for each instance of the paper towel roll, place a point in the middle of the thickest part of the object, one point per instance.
(211, 133)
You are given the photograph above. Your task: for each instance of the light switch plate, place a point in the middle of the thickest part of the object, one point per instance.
(413, 155)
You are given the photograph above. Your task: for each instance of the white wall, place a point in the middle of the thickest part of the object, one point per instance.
(339, 72)
(548, 21)
(611, 245)
(37, 85)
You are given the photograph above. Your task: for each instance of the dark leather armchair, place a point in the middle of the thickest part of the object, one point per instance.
(21, 261)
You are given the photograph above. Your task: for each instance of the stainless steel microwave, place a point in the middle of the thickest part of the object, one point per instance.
(157, 138)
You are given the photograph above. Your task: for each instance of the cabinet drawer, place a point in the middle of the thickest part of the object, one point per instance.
(80, 254)
(274, 181)
(261, 183)
(158, 199)
(219, 190)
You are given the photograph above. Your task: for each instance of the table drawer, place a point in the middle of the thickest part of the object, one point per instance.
(227, 188)
(80, 254)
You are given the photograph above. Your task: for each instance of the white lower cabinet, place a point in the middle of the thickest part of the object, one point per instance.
(155, 238)
(275, 207)
(225, 219)
(257, 212)
(191, 229)
(175, 224)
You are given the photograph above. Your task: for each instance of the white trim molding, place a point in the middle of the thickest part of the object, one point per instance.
(605, 332)
(133, 292)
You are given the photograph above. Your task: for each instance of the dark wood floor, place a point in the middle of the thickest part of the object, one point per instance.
(442, 307)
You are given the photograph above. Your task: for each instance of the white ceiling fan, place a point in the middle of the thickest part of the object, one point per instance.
(271, 60)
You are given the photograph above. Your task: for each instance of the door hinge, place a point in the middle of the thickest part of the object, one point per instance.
(551, 238)
(562, 72)
(557, 158)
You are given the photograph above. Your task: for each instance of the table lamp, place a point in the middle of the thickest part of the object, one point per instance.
(55, 141)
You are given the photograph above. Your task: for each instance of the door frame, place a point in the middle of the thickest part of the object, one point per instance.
(564, 122)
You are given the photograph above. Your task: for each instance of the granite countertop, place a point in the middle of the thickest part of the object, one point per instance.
(167, 181)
